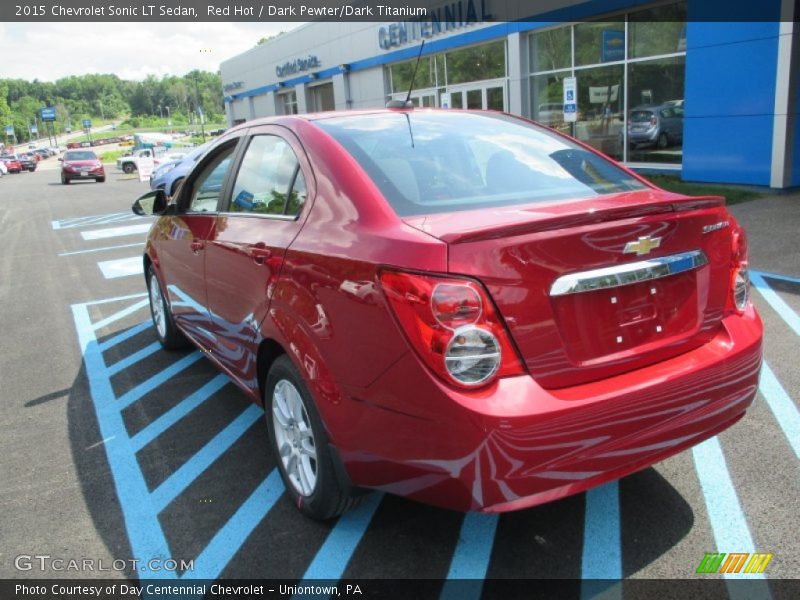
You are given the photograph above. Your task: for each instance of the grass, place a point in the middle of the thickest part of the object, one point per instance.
(110, 156)
(734, 194)
(119, 132)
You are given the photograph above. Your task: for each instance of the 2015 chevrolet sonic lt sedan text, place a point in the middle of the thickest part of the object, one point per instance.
(464, 308)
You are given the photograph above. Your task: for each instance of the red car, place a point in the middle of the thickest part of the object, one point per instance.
(81, 164)
(465, 308)
(12, 163)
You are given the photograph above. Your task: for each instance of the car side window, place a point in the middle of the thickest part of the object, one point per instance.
(270, 180)
(206, 189)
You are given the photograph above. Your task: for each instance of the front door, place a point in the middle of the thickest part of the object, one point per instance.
(245, 256)
(181, 253)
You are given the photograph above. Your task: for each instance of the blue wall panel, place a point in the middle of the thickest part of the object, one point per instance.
(730, 98)
(795, 181)
(734, 149)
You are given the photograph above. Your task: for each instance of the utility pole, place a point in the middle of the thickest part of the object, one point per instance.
(199, 108)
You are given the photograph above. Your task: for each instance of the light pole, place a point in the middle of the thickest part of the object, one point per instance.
(199, 109)
(169, 119)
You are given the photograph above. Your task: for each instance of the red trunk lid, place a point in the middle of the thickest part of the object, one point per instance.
(568, 336)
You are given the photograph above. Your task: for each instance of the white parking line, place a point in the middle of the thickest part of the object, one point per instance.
(121, 267)
(109, 232)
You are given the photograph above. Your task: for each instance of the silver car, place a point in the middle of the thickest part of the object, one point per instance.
(660, 126)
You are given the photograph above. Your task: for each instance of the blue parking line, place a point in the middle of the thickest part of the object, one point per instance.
(785, 411)
(227, 541)
(121, 313)
(110, 300)
(176, 413)
(728, 523)
(156, 380)
(471, 556)
(789, 278)
(101, 249)
(204, 458)
(602, 547)
(124, 335)
(335, 553)
(146, 537)
(132, 359)
(93, 219)
(775, 301)
(332, 557)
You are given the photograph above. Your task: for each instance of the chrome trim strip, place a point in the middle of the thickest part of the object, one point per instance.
(629, 273)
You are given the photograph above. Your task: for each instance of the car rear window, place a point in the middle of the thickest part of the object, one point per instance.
(428, 162)
(641, 116)
(80, 156)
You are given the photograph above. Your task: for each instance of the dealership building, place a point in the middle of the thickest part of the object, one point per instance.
(657, 85)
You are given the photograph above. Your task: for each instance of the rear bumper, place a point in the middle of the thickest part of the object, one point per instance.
(517, 445)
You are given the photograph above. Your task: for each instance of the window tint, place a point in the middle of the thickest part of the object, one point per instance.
(207, 188)
(269, 181)
(426, 163)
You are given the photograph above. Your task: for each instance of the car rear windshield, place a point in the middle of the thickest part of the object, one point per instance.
(428, 162)
(80, 156)
(641, 116)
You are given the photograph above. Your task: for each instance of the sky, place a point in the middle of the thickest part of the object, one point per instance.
(49, 51)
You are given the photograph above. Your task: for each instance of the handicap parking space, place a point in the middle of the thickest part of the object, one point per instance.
(172, 461)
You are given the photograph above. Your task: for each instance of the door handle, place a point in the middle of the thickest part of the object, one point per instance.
(196, 246)
(259, 252)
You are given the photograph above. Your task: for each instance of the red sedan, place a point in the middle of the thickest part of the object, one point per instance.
(12, 163)
(465, 308)
(81, 164)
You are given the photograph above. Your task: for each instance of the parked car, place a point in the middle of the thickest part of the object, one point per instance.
(81, 164)
(12, 163)
(27, 161)
(660, 126)
(43, 153)
(32, 155)
(169, 175)
(465, 308)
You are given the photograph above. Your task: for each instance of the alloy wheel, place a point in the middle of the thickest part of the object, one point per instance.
(294, 437)
(157, 306)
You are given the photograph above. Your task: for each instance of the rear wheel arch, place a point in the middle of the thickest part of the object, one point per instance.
(268, 352)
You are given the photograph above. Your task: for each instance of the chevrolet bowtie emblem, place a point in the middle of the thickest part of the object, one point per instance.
(642, 246)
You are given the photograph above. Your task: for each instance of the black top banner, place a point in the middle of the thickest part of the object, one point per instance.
(378, 10)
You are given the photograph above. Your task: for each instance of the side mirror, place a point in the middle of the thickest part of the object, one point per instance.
(152, 203)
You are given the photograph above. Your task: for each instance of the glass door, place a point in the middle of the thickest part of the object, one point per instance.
(484, 95)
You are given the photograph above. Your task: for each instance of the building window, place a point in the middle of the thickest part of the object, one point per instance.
(487, 61)
(473, 71)
(289, 102)
(630, 77)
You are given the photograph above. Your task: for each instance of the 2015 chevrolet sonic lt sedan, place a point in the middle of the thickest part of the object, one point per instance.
(464, 308)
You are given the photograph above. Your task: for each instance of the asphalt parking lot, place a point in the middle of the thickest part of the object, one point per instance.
(113, 449)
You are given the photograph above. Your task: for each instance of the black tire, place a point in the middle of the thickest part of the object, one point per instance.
(128, 168)
(329, 497)
(663, 141)
(100, 180)
(171, 338)
(175, 185)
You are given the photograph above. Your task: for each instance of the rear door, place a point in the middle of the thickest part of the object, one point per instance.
(262, 214)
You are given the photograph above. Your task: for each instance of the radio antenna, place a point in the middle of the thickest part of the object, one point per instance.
(407, 103)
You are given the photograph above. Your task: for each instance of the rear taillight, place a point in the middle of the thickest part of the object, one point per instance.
(740, 279)
(453, 326)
